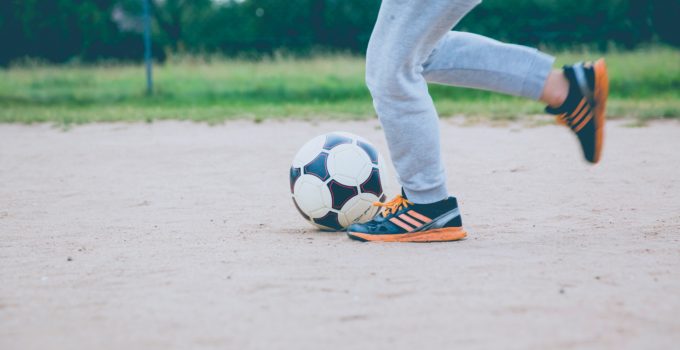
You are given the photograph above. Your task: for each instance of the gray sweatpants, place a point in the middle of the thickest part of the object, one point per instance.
(412, 44)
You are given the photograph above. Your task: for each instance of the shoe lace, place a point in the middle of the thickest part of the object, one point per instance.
(394, 205)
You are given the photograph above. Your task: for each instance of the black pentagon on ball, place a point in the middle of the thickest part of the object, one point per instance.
(318, 167)
(340, 193)
(294, 175)
(333, 140)
(372, 184)
(329, 220)
(370, 150)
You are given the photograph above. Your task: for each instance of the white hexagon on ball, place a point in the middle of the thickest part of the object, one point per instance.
(349, 164)
(312, 196)
(359, 209)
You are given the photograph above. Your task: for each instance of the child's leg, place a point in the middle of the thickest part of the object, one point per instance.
(470, 60)
(577, 93)
(411, 45)
(404, 36)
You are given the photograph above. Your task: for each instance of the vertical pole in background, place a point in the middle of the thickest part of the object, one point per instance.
(147, 47)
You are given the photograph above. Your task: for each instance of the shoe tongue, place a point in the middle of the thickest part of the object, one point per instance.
(403, 194)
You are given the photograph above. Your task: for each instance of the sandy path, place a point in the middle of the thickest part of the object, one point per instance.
(182, 236)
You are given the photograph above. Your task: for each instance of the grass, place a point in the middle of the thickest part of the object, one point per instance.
(645, 85)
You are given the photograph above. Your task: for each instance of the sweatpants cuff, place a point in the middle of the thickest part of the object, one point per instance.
(428, 196)
(536, 76)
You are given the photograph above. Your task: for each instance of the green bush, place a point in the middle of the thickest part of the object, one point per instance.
(86, 30)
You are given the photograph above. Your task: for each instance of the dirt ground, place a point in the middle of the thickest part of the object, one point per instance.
(177, 235)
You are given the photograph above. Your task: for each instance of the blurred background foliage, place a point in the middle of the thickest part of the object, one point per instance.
(93, 30)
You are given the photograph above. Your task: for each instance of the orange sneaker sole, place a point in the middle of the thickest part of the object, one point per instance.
(446, 234)
(601, 95)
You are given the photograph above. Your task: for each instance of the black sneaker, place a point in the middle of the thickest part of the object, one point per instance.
(403, 221)
(584, 111)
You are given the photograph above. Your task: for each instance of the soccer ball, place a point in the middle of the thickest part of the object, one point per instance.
(335, 179)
